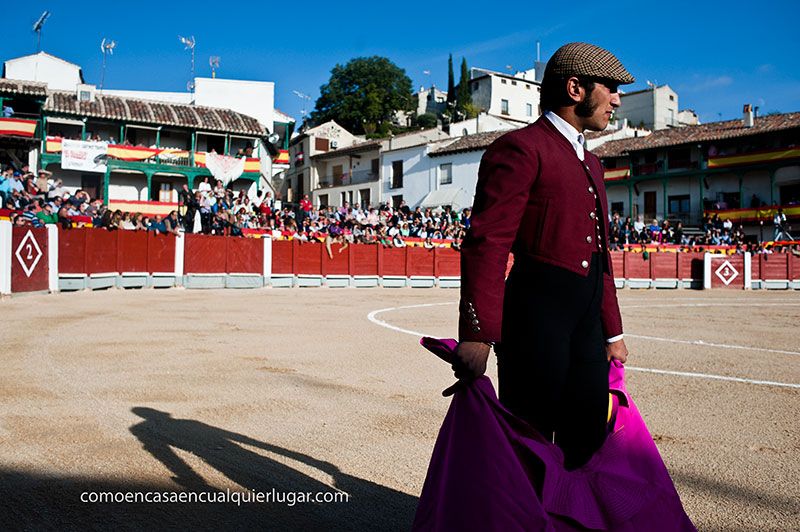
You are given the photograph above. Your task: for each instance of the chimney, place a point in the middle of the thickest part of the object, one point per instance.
(747, 119)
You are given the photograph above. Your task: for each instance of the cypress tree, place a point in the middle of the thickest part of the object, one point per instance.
(463, 98)
(451, 82)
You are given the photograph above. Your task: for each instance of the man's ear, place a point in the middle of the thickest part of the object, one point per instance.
(575, 91)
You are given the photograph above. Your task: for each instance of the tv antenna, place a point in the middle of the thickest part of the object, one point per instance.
(188, 43)
(213, 62)
(305, 98)
(37, 28)
(106, 48)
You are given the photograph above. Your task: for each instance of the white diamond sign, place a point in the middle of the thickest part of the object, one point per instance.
(28, 253)
(726, 273)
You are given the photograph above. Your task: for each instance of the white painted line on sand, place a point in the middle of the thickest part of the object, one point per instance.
(372, 316)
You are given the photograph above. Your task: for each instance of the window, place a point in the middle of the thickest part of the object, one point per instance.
(513, 82)
(375, 166)
(475, 87)
(672, 97)
(397, 174)
(445, 173)
(321, 144)
(342, 198)
(527, 86)
(504, 107)
(322, 200)
(618, 207)
(503, 81)
(337, 175)
(396, 201)
(364, 197)
(528, 109)
(679, 204)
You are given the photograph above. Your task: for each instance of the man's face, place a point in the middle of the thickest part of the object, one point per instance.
(597, 107)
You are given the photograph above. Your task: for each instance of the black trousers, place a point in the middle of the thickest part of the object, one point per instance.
(552, 366)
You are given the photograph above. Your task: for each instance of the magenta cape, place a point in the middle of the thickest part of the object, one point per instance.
(480, 475)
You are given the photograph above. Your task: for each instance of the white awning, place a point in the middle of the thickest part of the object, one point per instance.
(456, 197)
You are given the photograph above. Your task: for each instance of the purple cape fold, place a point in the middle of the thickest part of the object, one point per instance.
(487, 464)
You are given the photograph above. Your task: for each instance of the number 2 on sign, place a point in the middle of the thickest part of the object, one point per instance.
(30, 251)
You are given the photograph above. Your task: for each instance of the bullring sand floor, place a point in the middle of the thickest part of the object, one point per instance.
(327, 389)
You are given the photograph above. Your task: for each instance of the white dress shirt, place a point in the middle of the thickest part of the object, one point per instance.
(575, 139)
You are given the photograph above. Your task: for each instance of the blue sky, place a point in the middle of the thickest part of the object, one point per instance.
(716, 55)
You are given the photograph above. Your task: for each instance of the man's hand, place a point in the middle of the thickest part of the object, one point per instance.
(469, 364)
(617, 351)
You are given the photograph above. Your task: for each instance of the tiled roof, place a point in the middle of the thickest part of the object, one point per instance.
(477, 141)
(355, 148)
(149, 112)
(702, 133)
(16, 86)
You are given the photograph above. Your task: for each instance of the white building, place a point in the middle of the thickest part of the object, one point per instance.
(654, 108)
(515, 97)
(483, 123)
(57, 73)
(616, 130)
(435, 174)
(353, 174)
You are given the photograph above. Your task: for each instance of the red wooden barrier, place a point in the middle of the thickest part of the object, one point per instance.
(308, 257)
(72, 250)
(282, 256)
(636, 267)
(618, 264)
(794, 267)
(420, 261)
(245, 255)
(690, 265)
(204, 254)
(29, 259)
(101, 251)
(448, 263)
(393, 261)
(364, 259)
(160, 252)
(340, 263)
(132, 247)
(774, 266)
(733, 271)
(664, 266)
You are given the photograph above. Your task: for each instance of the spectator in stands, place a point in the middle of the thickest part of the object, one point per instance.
(47, 215)
(171, 223)
(157, 225)
(205, 185)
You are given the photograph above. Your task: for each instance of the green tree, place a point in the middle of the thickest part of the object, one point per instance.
(451, 83)
(463, 96)
(426, 120)
(363, 95)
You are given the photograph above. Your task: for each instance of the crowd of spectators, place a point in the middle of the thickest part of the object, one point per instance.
(38, 199)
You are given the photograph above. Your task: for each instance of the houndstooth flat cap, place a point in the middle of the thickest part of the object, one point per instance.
(583, 59)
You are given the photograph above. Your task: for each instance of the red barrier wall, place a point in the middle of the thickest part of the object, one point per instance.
(282, 258)
(393, 261)
(419, 261)
(72, 250)
(636, 267)
(160, 253)
(690, 265)
(736, 263)
(448, 263)
(245, 255)
(204, 254)
(101, 251)
(664, 265)
(365, 259)
(773, 266)
(794, 267)
(618, 264)
(132, 247)
(29, 259)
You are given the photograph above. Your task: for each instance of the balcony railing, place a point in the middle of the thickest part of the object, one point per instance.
(142, 154)
(348, 178)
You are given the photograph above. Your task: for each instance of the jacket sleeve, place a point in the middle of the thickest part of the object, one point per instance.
(609, 311)
(507, 172)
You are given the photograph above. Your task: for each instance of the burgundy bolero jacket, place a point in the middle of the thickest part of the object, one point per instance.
(533, 198)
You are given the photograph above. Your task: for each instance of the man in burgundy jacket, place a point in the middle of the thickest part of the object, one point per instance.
(555, 321)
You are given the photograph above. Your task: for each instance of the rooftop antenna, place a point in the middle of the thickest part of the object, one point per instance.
(538, 51)
(37, 28)
(189, 45)
(213, 62)
(305, 98)
(106, 48)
